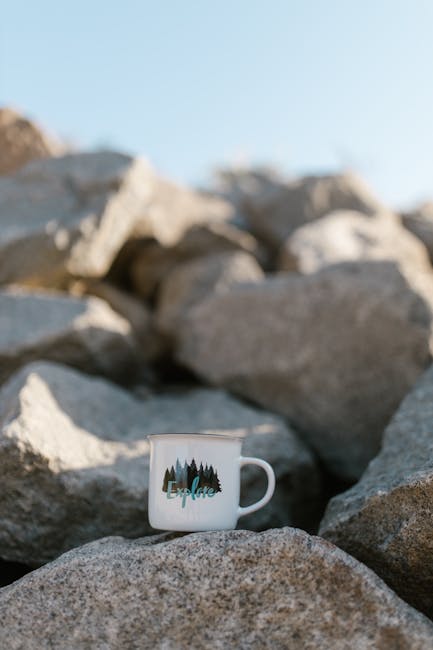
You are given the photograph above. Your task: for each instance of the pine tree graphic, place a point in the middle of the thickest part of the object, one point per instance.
(183, 476)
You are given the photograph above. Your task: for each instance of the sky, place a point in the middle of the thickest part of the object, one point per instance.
(305, 86)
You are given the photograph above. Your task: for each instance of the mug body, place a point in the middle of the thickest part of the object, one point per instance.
(194, 481)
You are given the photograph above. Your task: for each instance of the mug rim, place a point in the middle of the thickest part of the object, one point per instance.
(222, 436)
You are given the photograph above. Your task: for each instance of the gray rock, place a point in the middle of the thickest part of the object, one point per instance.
(385, 519)
(172, 209)
(277, 589)
(216, 237)
(74, 459)
(81, 332)
(69, 216)
(344, 236)
(191, 282)
(242, 186)
(334, 351)
(274, 208)
(420, 223)
(21, 141)
(148, 262)
(137, 313)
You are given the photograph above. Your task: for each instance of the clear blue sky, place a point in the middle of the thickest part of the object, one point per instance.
(192, 84)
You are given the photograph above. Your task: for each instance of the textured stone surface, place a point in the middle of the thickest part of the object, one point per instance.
(149, 262)
(277, 589)
(190, 283)
(81, 332)
(274, 208)
(386, 519)
(420, 223)
(242, 186)
(136, 312)
(21, 141)
(334, 351)
(172, 209)
(74, 459)
(69, 216)
(350, 236)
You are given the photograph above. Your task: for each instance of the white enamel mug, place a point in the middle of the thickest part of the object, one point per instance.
(194, 481)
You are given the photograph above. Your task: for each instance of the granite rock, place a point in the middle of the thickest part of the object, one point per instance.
(74, 459)
(148, 262)
(277, 589)
(81, 332)
(385, 519)
(69, 216)
(274, 208)
(134, 310)
(334, 351)
(190, 283)
(420, 223)
(22, 140)
(345, 236)
(172, 209)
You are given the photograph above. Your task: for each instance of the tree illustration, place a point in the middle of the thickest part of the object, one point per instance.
(192, 473)
(215, 483)
(166, 480)
(183, 476)
(178, 472)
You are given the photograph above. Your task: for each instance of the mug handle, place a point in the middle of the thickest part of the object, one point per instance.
(245, 460)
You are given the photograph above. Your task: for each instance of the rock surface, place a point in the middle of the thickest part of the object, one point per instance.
(21, 141)
(69, 216)
(420, 223)
(385, 519)
(150, 262)
(334, 351)
(274, 209)
(192, 282)
(172, 209)
(136, 312)
(81, 332)
(277, 589)
(345, 236)
(74, 459)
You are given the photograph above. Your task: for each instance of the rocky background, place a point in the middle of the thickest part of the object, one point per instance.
(295, 313)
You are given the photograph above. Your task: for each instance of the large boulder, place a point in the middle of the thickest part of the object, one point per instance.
(385, 519)
(274, 208)
(22, 140)
(69, 216)
(145, 264)
(344, 236)
(74, 459)
(81, 332)
(334, 351)
(191, 282)
(420, 223)
(226, 589)
(74, 463)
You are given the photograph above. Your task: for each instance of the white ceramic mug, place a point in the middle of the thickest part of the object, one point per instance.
(194, 481)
